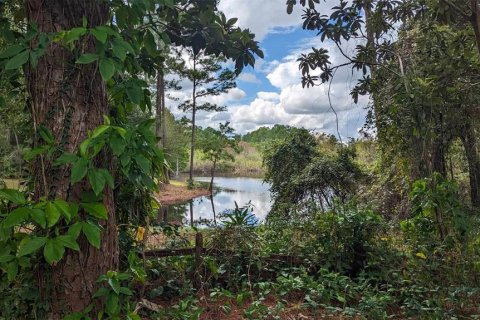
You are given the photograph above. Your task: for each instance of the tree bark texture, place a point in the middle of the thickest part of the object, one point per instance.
(70, 100)
(469, 140)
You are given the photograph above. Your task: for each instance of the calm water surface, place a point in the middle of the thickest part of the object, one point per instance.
(229, 190)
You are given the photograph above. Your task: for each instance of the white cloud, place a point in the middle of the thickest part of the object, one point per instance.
(270, 96)
(266, 16)
(249, 77)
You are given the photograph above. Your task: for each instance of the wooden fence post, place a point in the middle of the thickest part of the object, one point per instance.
(198, 259)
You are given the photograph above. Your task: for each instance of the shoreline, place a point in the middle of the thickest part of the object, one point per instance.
(178, 192)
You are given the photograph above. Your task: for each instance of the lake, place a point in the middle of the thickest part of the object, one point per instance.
(228, 191)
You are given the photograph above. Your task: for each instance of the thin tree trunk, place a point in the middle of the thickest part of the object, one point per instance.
(213, 176)
(469, 140)
(194, 111)
(70, 100)
(159, 108)
(213, 210)
(475, 20)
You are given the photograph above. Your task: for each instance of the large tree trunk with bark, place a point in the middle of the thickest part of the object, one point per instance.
(70, 100)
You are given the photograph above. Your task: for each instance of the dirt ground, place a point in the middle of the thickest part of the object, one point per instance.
(177, 192)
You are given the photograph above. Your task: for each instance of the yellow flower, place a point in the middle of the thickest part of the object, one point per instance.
(140, 234)
(421, 255)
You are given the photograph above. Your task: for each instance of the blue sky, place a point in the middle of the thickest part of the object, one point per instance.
(271, 92)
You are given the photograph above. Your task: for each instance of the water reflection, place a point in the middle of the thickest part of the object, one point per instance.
(204, 210)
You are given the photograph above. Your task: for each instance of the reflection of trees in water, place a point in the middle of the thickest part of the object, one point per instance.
(175, 214)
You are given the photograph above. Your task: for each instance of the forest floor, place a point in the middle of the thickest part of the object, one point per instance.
(178, 192)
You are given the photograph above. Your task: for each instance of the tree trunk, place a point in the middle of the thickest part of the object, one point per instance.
(194, 111)
(160, 108)
(70, 100)
(160, 115)
(213, 176)
(469, 140)
(475, 7)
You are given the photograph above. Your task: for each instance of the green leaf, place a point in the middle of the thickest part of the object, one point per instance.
(18, 60)
(99, 130)
(12, 270)
(30, 245)
(92, 233)
(64, 208)
(107, 68)
(84, 146)
(52, 214)
(69, 241)
(53, 251)
(39, 217)
(75, 230)
(79, 170)
(74, 34)
(143, 163)
(16, 217)
(101, 292)
(13, 195)
(97, 180)
(12, 51)
(114, 284)
(97, 210)
(126, 291)
(108, 177)
(87, 58)
(117, 144)
(30, 155)
(46, 135)
(100, 34)
(112, 306)
(66, 158)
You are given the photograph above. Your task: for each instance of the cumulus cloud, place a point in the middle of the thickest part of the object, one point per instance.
(249, 77)
(266, 16)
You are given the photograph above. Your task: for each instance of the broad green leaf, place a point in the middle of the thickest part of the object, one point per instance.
(112, 306)
(135, 93)
(97, 180)
(46, 135)
(84, 146)
(64, 208)
(52, 213)
(99, 130)
(107, 176)
(13, 195)
(18, 60)
(126, 291)
(30, 245)
(66, 158)
(32, 154)
(144, 164)
(79, 170)
(114, 284)
(107, 68)
(69, 241)
(75, 34)
(117, 144)
(12, 51)
(75, 230)
(97, 210)
(39, 217)
(92, 233)
(101, 292)
(100, 34)
(53, 251)
(16, 217)
(87, 58)
(12, 270)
